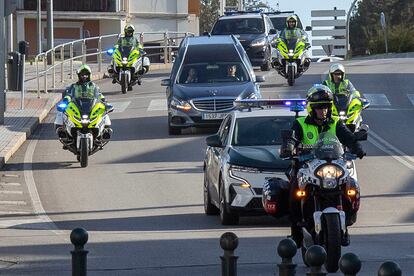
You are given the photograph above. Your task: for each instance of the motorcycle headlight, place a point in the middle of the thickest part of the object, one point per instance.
(329, 172)
(181, 105)
(85, 119)
(258, 42)
(291, 53)
(124, 60)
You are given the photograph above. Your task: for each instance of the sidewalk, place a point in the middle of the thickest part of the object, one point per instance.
(20, 124)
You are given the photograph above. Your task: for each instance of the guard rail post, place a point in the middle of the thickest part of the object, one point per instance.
(229, 242)
(287, 250)
(71, 60)
(45, 76)
(350, 264)
(165, 47)
(84, 51)
(62, 60)
(79, 237)
(52, 56)
(315, 256)
(100, 54)
(37, 74)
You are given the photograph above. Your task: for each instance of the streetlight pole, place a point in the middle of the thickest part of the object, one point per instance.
(2, 63)
(49, 4)
(348, 17)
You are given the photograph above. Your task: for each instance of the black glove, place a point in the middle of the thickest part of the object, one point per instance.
(357, 149)
(286, 150)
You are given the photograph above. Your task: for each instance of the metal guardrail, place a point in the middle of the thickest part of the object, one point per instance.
(168, 42)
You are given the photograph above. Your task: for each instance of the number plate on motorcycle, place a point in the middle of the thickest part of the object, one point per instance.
(213, 116)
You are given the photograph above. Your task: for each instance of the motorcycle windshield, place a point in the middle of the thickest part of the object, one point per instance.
(291, 43)
(328, 147)
(125, 50)
(342, 101)
(85, 105)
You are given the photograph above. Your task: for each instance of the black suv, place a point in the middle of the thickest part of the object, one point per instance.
(255, 32)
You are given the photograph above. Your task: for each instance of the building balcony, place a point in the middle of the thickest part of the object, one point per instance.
(114, 6)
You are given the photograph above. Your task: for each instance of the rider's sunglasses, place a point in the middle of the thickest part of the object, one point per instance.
(337, 74)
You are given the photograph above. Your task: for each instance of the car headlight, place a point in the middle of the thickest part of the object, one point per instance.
(181, 105)
(234, 170)
(258, 42)
(329, 175)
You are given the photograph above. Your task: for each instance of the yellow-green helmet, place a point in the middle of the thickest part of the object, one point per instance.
(319, 96)
(291, 17)
(129, 29)
(82, 70)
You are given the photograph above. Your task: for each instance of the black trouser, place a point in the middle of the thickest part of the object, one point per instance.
(295, 213)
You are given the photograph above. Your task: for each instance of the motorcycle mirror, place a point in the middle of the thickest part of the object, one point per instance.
(110, 108)
(365, 103)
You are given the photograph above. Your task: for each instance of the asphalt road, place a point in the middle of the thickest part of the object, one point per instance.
(141, 197)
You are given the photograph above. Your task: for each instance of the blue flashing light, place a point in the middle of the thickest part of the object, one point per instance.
(288, 103)
(110, 52)
(293, 104)
(61, 107)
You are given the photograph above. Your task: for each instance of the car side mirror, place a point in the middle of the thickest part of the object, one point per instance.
(362, 133)
(260, 79)
(214, 141)
(165, 82)
(272, 32)
(206, 33)
(308, 28)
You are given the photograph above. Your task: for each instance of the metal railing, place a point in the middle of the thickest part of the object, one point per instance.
(168, 41)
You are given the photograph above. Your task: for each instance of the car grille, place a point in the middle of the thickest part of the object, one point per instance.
(258, 191)
(255, 203)
(213, 104)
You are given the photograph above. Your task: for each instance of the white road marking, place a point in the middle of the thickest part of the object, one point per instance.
(158, 105)
(10, 175)
(395, 153)
(38, 209)
(10, 184)
(11, 192)
(377, 99)
(120, 106)
(12, 202)
(35, 223)
(411, 98)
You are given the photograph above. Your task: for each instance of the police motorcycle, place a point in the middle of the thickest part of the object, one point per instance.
(128, 66)
(348, 109)
(291, 61)
(83, 126)
(327, 189)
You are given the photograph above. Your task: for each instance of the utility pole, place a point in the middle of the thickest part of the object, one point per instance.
(348, 18)
(2, 64)
(49, 4)
(39, 26)
(222, 5)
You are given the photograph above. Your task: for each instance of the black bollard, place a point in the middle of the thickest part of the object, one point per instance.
(350, 264)
(229, 242)
(287, 250)
(316, 256)
(79, 237)
(389, 268)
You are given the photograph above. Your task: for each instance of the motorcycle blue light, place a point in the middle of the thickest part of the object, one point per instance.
(61, 107)
(288, 103)
(110, 51)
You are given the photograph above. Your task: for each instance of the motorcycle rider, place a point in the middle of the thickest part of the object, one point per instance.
(292, 32)
(128, 39)
(306, 131)
(337, 82)
(83, 88)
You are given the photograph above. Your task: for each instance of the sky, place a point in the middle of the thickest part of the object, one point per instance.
(303, 7)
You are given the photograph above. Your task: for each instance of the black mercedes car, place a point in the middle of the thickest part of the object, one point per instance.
(209, 73)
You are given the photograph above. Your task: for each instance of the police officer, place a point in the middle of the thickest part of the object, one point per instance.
(337, 82)
(306, 131)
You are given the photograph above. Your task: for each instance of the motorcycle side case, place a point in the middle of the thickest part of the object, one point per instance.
(146, 62)
(275, 197)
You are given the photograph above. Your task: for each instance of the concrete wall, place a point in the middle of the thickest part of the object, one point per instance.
(159, 6)
(107, 27)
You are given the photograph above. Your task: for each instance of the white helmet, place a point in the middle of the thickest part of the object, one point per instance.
(336, 67)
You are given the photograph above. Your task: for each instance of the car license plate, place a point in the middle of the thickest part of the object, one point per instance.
(213, 116)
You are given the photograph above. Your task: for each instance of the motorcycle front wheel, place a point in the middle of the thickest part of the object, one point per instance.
(332, 241)
(291, 75)
(83, 152)
(124, 84)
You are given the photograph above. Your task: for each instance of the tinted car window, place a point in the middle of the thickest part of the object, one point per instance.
(239, 26)
(260, 131)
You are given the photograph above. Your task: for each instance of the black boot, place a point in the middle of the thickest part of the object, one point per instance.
(296, 235)
(113, 81)
(129, 88)
(346, 239)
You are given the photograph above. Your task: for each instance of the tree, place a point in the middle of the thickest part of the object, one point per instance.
(209, 12)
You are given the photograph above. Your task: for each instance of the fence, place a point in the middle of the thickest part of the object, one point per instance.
(78, 49)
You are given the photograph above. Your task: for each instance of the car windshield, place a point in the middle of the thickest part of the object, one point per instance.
(214, 72)
(239, 26)
(260, 131)
(328, 147)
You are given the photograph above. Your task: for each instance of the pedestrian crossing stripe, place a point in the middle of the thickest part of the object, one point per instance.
(377, 99)
(411, 98)
(158, 105)
(120, 106)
